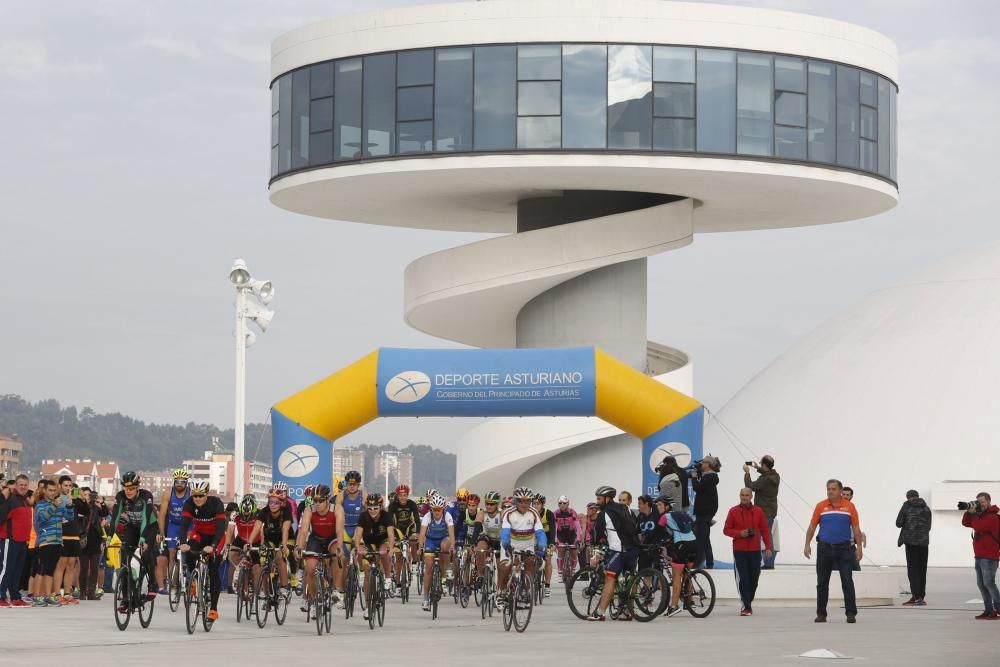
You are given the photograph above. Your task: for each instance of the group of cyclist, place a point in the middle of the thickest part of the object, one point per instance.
(333, 525)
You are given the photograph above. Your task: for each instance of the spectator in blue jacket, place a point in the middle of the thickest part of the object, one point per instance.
(50, 511)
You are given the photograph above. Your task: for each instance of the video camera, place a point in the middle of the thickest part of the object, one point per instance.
(972, 504)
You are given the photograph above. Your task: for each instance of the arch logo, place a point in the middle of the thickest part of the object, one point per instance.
(298, 460)
(407, 387)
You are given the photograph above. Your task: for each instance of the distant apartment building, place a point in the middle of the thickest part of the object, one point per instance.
(156, 481)
(345, 460)
(220, 471)
(397, 467)
(10, 455)
(103, 477)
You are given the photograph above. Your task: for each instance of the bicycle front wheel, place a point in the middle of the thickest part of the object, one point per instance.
(143, 601)
(648, 596)
(123, 598)
(205, 597)
(523, 603)
(280, 602)
(322, 596)
(174, 585)
(583, 592)
(192, 597)
(262, 596)
(699, 593)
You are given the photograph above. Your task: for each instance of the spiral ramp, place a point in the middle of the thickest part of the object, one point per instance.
(517, 291)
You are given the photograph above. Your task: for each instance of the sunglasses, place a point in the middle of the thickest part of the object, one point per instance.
(320, 500)
(199, 495)
(181, 481)
(130, 486)
(274, 501)
(374, 509)
(564, 503)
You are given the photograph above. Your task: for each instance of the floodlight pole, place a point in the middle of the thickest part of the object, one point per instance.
(241, 389)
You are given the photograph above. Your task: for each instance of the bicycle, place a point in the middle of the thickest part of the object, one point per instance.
(405, 570)
(462, 585)
(129, 597)
(198, 594)
(640, 595)
(566, 569)
(376, 590)
(174, 588)
(520, 593)
(698, 590)
(437, 589)
(352, 587)
(245, 587)
(268, 594)
(487, 591)
(538, 588)
(320, 607)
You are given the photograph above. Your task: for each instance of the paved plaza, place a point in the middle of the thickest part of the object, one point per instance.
(943, 633)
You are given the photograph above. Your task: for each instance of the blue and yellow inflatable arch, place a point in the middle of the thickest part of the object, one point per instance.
(478, 383)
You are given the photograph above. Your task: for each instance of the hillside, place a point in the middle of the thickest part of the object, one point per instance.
(51, 431)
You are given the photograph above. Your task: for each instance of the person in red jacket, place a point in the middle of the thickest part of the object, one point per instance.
(15, 530)
(983, 517)
(747, 525)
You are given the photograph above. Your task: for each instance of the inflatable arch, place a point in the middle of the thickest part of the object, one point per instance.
(479, 383)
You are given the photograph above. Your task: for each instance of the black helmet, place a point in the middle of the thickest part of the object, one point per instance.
(606, 491)
(539, 498)
(663, 499)
(373, 500)
(353, 476)
(131, 477)
(321, 491)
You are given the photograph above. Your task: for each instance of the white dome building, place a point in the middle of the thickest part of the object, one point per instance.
(899, 392)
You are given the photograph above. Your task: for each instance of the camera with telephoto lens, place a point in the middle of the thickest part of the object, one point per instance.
(972, 504)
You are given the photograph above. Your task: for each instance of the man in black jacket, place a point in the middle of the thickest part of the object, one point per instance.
(914, 523)
(705, 483)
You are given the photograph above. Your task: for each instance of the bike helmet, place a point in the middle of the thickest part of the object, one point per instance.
(430, 492)
(419, 500)
(606, 491)
(437, 501)
(493, 497)
(280, 487)
(663, 499)
(181, 473)
(373, 500)
(393, 497)
(474, 499)
(563, 499)
(462, 494)
(130, 478)
(593, 506)
(353, 476)
(248, 505)
(341, 484)
(199, 487)
(523, 493)
(308, 491)
(402, 488)
(320, 492)
(539, 498)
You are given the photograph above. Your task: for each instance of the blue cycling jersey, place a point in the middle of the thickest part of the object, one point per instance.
(174, 508)
(352, 511)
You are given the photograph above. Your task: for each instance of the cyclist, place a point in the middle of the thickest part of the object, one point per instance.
(134, 521)
(239, 532)
(375, 532)
(425, 504)
(587, 523)
(568, 534)
(521, 530)
(406, 519)
(615, 527)
(549, 526)
(458, 509)
(437, 533)
(679, 532)
(169, 520)
(318, 537)
(487, 532)
(204, 526)
(280, 488)
(507, 503)
(273, 526)
(350, 505)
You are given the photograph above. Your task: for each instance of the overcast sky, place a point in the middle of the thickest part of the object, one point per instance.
(135, 169)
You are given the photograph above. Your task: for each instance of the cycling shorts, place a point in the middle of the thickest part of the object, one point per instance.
(494, 544)
(616, 562)
(682, 553)
(432, 545)
(319, 545)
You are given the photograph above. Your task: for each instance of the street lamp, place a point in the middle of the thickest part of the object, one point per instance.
(261, 293)
(390, 460)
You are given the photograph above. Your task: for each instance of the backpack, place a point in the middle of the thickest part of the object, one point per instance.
(684, 521)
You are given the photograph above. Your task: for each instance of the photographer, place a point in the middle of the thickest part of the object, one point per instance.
(982, 517)
(747, 525)
(914, 523)
(673, 483)
(765, 496)
(705, 482)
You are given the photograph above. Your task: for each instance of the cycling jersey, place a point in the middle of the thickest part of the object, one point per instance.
(376, 530)
(272, 523)
(437, 531)
(568, 529)
(548, 524)
(615, 526)
(522, 532)
(492, 525)
(405, 517)
(353, 508)
(205, 524)
(459, 517)
(244, 527)
(175, 506)
(323, 526)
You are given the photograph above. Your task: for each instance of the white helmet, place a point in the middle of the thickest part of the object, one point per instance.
(437, 500)
(563, 499)
(199, 487)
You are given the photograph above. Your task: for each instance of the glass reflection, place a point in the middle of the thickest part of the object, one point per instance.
(848, 117)
(495, 97)
(883, 127)
(380, 105)
(790, 109)
(416, 137)
(673, 63)
(300, 118)
(584, 96)
(538, 62)
(753, 105)
(790, 142)
(538, 132)
(673, 134)
(789, 74)
(630, 92)
(415, 68)
(416, 103)
(347, 110)
(822, 111)
(453, 100)
(538, 98)
(716, 101)
(673, 100)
